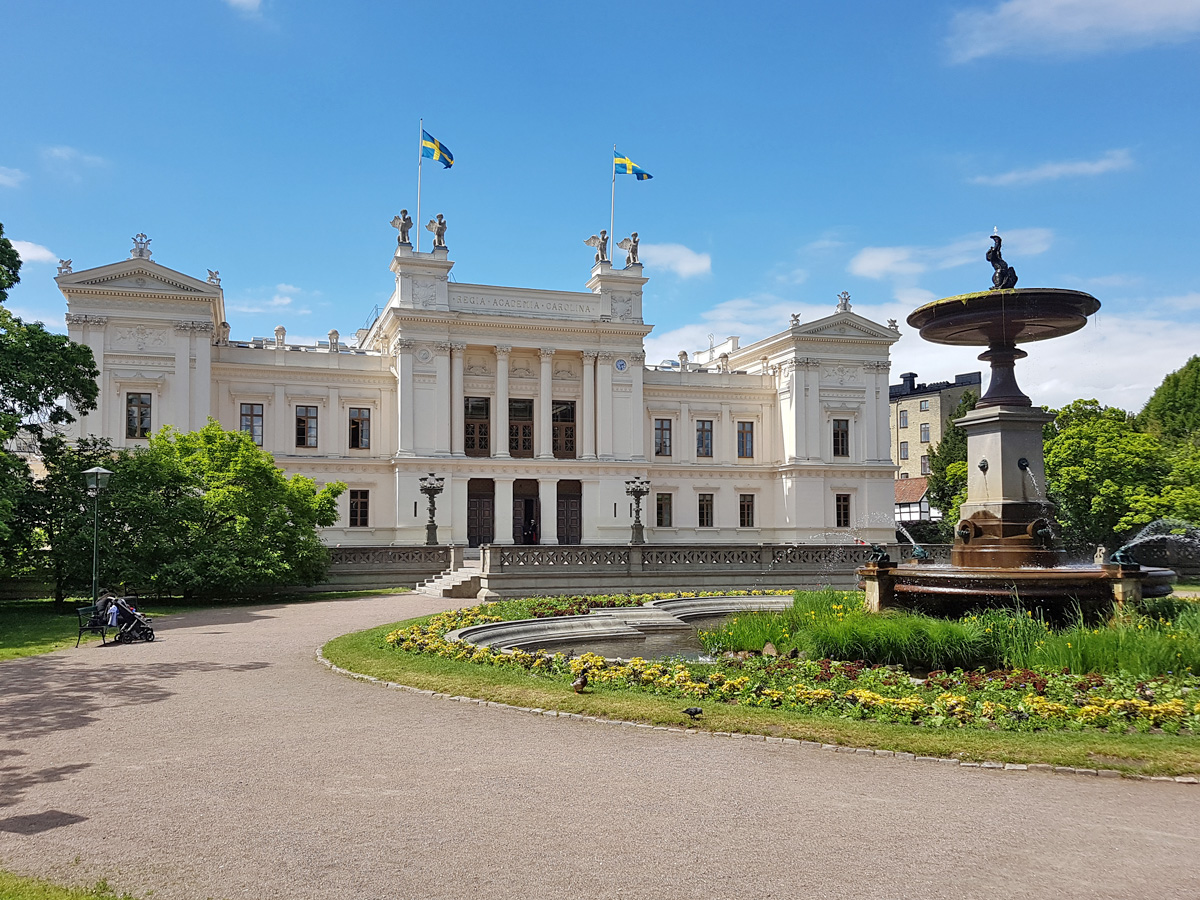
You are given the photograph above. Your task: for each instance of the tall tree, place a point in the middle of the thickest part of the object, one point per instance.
(10, 265)
(947, 484)
(1173, 410)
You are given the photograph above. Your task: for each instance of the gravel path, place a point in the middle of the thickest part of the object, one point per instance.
(224, 761)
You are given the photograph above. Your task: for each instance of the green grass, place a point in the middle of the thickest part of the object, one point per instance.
(32, 627)
(17, 887)
(1151, 754)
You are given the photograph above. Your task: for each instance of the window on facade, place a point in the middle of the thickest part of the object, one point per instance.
(904, 449)
(137, 415)
(306, 426)
(924, 406)
(360, 509)
(360, 428)
(746, 510)
(924, 465)
(745, 438)
(904, 418)
(662, 510)
(563, 419)
(252, 421)
(903, 474)
(477, 428)
(704, 510)
(520, 427)
(704, 437)
(662, 437)
(841, 505)
(924, 432)
(841, 437)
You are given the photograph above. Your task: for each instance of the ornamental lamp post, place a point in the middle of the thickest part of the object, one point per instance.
(637, 488)
(97, 480)
(431, 486)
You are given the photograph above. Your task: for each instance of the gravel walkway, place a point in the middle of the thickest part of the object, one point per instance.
(224, 761)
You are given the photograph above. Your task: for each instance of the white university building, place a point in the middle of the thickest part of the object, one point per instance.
(535, 406)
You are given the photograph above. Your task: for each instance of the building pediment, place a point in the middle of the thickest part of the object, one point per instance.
(846, 325)
(137, 276)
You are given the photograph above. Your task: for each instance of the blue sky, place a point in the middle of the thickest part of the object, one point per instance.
(798, 150)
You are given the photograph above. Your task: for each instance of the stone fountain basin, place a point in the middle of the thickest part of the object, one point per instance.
(1013, 316)
(630, 623)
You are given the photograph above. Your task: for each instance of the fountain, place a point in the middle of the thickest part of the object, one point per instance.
(1005, 549)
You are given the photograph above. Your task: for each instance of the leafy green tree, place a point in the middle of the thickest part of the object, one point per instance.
(1180, 497)
(10, 265)
(1104, 475)
(947, 480)
(1173, 410)
(209, 512)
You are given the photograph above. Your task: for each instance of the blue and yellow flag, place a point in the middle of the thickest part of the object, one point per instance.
(432, 148)
(623, 165)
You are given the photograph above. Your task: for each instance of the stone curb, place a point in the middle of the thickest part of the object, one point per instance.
(792, 742)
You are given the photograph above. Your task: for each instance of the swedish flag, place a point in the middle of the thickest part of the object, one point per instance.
(623, 165)
(432, 148)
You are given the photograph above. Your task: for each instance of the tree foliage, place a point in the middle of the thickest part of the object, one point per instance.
(10, 265)
(947, 480)
(1173, 410)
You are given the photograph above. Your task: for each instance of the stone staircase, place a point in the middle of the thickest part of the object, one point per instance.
(461, 583)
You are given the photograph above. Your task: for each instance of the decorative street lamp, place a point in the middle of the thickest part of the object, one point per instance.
(431, 486)
(637, 488)
(97, 480)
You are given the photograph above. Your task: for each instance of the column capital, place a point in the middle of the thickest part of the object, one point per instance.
(442, 348)
(605, 356)
(457, 346)
(637, 356)
(502, 350)
(401, 345)
(77, 319)
(546, 352)
(590, 354)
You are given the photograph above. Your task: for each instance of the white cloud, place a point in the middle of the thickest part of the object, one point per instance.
(34, 253)
(677, 258)
(11, 177)
(1183, 301)
(248, 7)
(1112, 161)
(284, 297)
(70, 163)
(285, 288)
(1037, 27)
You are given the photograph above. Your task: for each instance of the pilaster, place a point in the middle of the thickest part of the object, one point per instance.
(443, 401)
(637, 362)
(548, 495)
(457, 401)
(544, 449)
(588, 413)
(500, 418)
(503, 510)
(406, 426)
(604, 415)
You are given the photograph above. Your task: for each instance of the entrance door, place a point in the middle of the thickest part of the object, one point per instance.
(481, 512)
(570, 512)
(527, 512)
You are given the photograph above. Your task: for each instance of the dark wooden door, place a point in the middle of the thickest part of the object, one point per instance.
(527, 524)
(481, 520)
(570, 520)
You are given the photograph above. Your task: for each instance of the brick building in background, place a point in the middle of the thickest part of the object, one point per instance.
(918, 417)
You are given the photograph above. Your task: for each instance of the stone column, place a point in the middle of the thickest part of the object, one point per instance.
(870, 423)
(444, 398)
(458, 413)
(181, 387)
(203, 406)
(726, 437)
(685, 442)
(406, 424)
(500, 419)
(588, 413)
(591, 510)
(637, 362)
(544, 449)
(883, 440)
(89, 330)
(548, 495)
(604, 416)
(816, 440)
(503, 511)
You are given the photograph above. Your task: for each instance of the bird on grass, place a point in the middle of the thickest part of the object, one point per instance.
(694, 711)
(581, 682)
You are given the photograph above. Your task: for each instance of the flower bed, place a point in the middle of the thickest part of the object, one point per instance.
(1008, 699)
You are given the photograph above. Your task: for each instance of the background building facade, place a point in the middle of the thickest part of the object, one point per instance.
(918, 417)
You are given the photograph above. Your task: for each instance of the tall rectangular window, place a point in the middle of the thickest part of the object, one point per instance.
(704, 510)
(562, 417)
(477, 426)
(360, 428)
(252, 421)
(904, 449)
(662, 510)
(904, 418)
(360, 509)
(137, 415)
(306, 426)
(704, 438)
(662, 437)
(841, 437)
(746, 510)
(924, 406)
(924, 432)
(520, 428)
(841, 503)
(924, 465)
(745, 438)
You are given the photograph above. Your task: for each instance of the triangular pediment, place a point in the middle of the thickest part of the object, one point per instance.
(138, 276)
(846, 325)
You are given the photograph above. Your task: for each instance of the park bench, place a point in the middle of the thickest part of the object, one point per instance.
(92, 620)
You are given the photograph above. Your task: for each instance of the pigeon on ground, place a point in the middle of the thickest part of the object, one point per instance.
(693, 711)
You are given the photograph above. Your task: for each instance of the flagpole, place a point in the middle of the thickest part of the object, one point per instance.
(420, 155)
(612, 210)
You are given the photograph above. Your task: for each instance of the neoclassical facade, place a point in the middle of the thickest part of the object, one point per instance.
(535, 407)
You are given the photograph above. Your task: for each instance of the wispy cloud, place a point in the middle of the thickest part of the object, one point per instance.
(1181, 301)
(683, 261)
(70, 163)
(1112, 161)
(34, 253)
(11, 177)
(283, 298)
(246, 7)
(1037, 27)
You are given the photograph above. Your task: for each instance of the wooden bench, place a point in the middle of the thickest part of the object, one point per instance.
(92, 621)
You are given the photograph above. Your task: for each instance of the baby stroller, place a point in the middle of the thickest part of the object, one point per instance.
(131, 625)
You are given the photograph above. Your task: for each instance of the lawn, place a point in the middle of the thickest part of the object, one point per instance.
(32, 627)
(17, 887)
